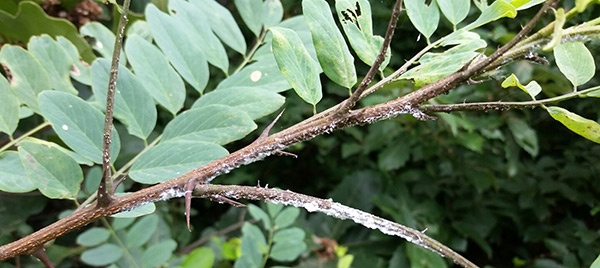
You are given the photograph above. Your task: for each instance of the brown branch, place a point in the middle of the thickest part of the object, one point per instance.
(105, 189)
(256, 151)
(333, 209)
(389, 33)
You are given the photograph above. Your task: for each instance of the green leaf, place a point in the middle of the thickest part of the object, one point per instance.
(78, 124)
(133, 106)
(424, 258)
(525, 136)
(172, 37)
(223, 24)
(172, 159)
(28, 77)
(102, 255)
(290, 234)
(135, 212)
(30, 20)
(287, 250)
(141, 28)
(54, 60)
(576, 62)
(454, 10)
(200, 33)
(588, 129)
(596, 263)
(394, 156)
(80, 71)
(93, 237)
(263, 74)
(355, 18)
(218, 124)
(254, 101)
(253, 241)
(296, 65)
(251, 12)
(557, 34)
(581, 5)
(286, 217)
(142, 231)
(14, 178)
(259, 215)
(345, 261)
(498, 9)
(54, 173)
(155, 73)
(272, 13)
(103, 40)
(274, 209)
(158, 254)
(424, 17)
(533, 88)
(202, 257)
(333, 53)
(9, 108)
(256, 236)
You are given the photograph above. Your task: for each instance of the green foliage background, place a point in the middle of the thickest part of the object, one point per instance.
(511, 188)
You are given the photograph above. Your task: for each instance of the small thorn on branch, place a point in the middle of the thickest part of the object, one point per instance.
(189, 187)
(40, 254)
(265, 132)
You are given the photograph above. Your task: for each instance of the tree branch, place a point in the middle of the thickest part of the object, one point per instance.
(333, 209)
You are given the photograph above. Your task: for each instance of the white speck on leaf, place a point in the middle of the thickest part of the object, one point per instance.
(255, 76)
(65, 127)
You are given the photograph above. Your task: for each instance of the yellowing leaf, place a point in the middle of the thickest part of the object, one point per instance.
(533, 88)
(588, 129)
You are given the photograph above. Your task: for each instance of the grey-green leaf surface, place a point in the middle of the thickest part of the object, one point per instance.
(218, 124)
(200, 33)
(262, 74)
(80, 70)
(54, 173)
(525, 136)
(14, 179)
(252, 241)
(133, 106)
(54, 60)
(259, 215)
(158, 254)
(172, 159)
(289, 244)
(93, 236)
(155, 73)
(454, 10)
(575, 61)
(251, 12)
(78, 124)
(142, 231)
(223, 24)
(296, 65)
(9, 108)
(286, 217)
(424, 17)
(332, 52)
(172, 38)
(272, 13)
(102, 255)
(254, 101)
(103, 39)
(28, 76)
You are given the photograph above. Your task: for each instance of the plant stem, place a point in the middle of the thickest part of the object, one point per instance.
(22, 137)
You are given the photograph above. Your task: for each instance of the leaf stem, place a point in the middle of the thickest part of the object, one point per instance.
(247, 58)
(22, 137)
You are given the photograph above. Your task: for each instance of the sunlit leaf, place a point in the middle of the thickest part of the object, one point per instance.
(223, 24)
(155, 73)
(263, 74)
(102, 39)
(255, 102)
(588, 129)
(78, 124)
(53, 172)
(28, 77)
(454, 10)
(54, 60)
(423, 16)
(525, 4)
(14, 179)
(498, 9)
(187, 57)
(9, 108)
(576, 62)
(251, 12)
(333, 53)
(202, 257)
(533, 88)
(557, 34)
(172, 159)
(296, 65)
(133, 106)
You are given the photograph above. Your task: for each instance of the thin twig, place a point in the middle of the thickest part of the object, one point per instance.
(389, 33)
(105, 189)
(333, 209)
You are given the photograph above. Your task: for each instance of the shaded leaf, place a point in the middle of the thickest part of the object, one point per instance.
(255, 102)
(14, 179)
(53, 172)
(93, 236)
(423, 258)
(133, 106)
(286, 217)
(102, 39)
(424, 17)
(576, 62)
(454, 10)
(296, 65)
(78, 124)
(288, 248)
(260, 215)
(263, 73)
(135, 212)
(332, 52)
(525, 136)
(80, 71)
(9, 108)
(586, 128)
(172, 159)
(158, 254)
(172, 38)
(223, 24)
(272, 13)
(142, 231)
(54, 60)
(251, 12)
(218, 124)
(102, 255)
(155, 73)
(28, 77)
(253, 242)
